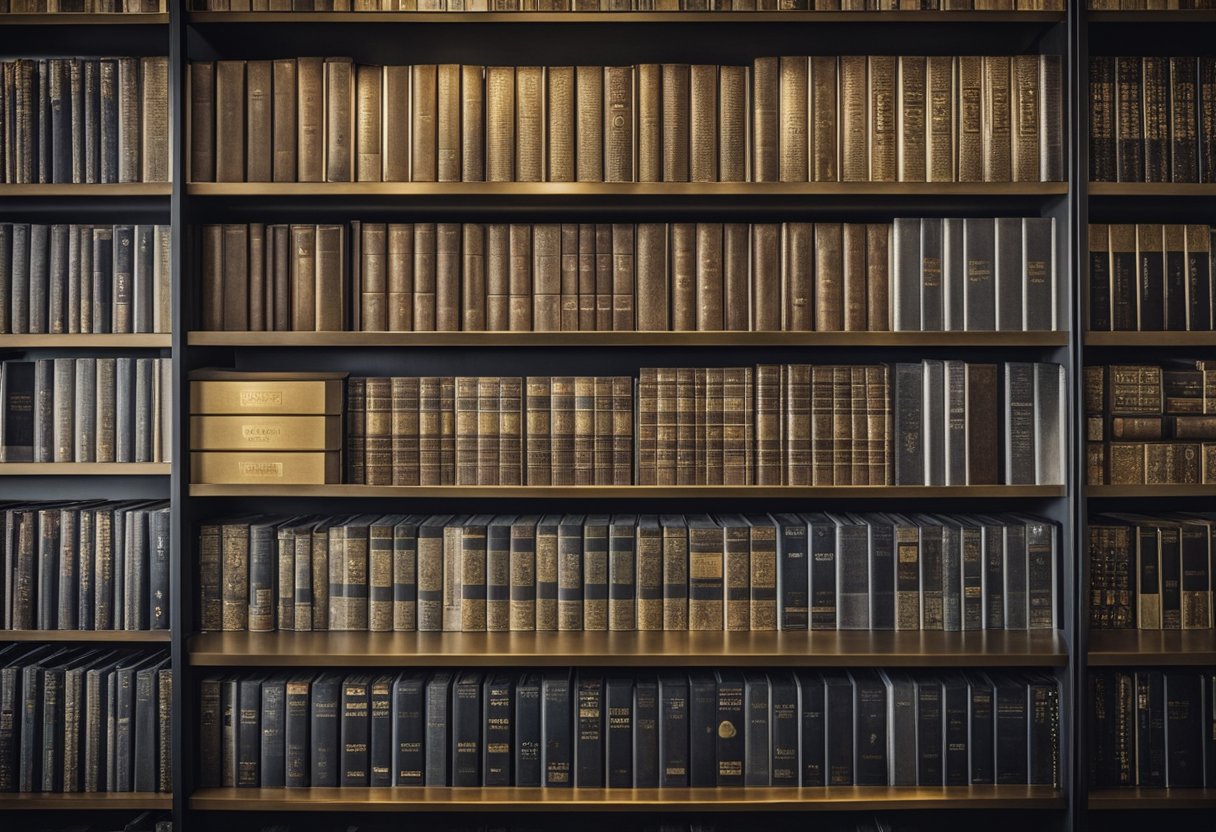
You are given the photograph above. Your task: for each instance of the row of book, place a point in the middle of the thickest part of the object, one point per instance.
(84, 120)
(90, 565)
(82, 719)
(1151, 277)
(84, 278)
(578, 430)
(1151, 572)
(82, 6)
(1152, 119)
(1152, 729)
(917, 274)
(556, 729)
(622, 5)
(789, 119)
(623, 572)
(1151, 424)
(86, 410)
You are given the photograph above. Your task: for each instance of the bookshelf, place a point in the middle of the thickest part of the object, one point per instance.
(655, 492)
(116, 637)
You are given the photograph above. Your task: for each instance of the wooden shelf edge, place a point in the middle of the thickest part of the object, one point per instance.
(102, 636)
(1150, 339)
(1204, 490)
(1143, 189)
(734, 18)
(116, 341)
(839, 798)
(89, 19)
(1131, 799)
(629, 649)
(132, 189)
(1151, 648)
(624, 339)
(81, 801)
(85, 469)
(525, 190)
(878, 492)
(1180, 17)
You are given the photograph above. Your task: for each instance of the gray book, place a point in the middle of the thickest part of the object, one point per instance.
(1010, 276)
(143, 278)
(1039, 264)
(104, 410)
(73, 282)
(57, 289)
(852, 572)
(932, 313)
(901, 728)
(979, 288)
(6, 276)
(905, 297)
(85, 410)
(103, 279)
(952, 577)
(122, 308)
(956, 422)
(954, 274)
(1021, 456)
(757, 731)
(40, 279)
(934, 422)
(145, 369)
(1049, 419)
(135, 571)
(1016, 595)
(124, 410)
(64, 407)
(44, 410)
(91, 107)
(19, 296)
(128, 122)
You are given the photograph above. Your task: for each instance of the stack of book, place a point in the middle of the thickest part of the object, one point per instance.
(1151, 277)
(1151, 572)
(84, 719)
(85, 120)
(1153, 729)
(84, 278)
(854, 118)
(86, 410)
(952, 274)
(498, 573)
(621, 5)
(556, 729)
(279, 428)
(1151, 424)
(1152, 119)
(89, 565)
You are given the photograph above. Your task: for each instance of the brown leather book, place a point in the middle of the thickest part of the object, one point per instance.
(372, 239)
(982, 426)
(331, 278)
(624, 318)
(854, 121)
(676, 120)
(280, 279)
(230, 121)
(1026, 110)
(399, 288)
(652, 277)
(649, 122)
(586, 277)
(736, 276)
(424, 103)
(842, 426)
(569, 277)
(794, 120)
(601, 457)
(424, 276)
(765, 73)
(798, 277)
(404, 391)
(429, 428)
(284, 129)
(855, 273)
(356, 441)
(310, 141)
(539, 462)
(448, 138)
(562, 429)
(589, 123)
(824, 142)
(622, 430)
(583, 408)
(686, 434)
(883, 102)
(941, 117)
(769, 467)
(878, 424)
(212, 275)
(529, 124)
(519, 302)
(829, 277)
(912, 118)
(859, 447)
(369, 129)
(733, 105)
(153, 121)
(559, 144)
(467, 415)
(970, 119)
(472, 123)
(339, 119)
(378, 432)
(709, 464)
(202, 121)
(997, 119)
(796, 424)
(822, 424)
(683, 276)
(546, 277)
(603, 277)
(304, 278)
(1051, 118)
(709, 277)
(703, 123)
(473, 278)
(618, 124)
(396, 123)
(510, 431)
(767, 284)
(448, 255)
(498, 277)
(236, 278)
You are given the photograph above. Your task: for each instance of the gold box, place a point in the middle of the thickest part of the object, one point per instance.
(222, 392)
(269, 468)
(265, 433)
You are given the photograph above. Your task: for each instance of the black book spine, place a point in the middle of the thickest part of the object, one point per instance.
(618, 727)
(40, 280)
(813, 730)
(901, 729)
(48, 568)
(466, 730)
(1183, 724)
(528, 736)
(323, 757)
(994, 577)
(757, 731)
(19, 299)
(840, 731)
(909, 433)
(822, 564)
(1150, 729)
(1150, 264)
(589, 733)
(930, 732)
(18, 404)
(295, 733)
(702, 730)
(274, 734)
(1199, 278)
(955, 710)
(1099, 279)
(646, 733)
(158, 569)
(870, 714)
(248, 732)
(1209, 728)
(381, 732)
(973, 578)
(557, 750)
(498, 737)
(51, 751)
(785, 716)
(792, 575)
(44, 410)
(673, 731)
(409, 761)
(356, 730)
(29, 758)
(438, 729)
(1175, 278)
(731, 729)
(1043, 746)
(981, 732)
(103, 279)
(882, 575)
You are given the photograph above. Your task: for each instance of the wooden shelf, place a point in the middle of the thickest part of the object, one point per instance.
(1205, 490)
(84, 469)
(1147, 648)
(650, 492)
(1181, 17)
(996, 648)
(81, 636)
(101, 19)
(833, 799)
(107, 341)
(1142, 189)
(81, 801)
(1150, 339)
(732, 18)
(626, 339)
(142, 189)
(1133, 799)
